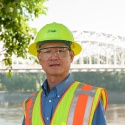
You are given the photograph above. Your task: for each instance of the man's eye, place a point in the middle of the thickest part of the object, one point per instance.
(47, 51)
(60, 50)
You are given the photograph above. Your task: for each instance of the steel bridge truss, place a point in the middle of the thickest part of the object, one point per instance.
(100, 52)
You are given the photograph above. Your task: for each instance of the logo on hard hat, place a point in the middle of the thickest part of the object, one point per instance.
(51, 30)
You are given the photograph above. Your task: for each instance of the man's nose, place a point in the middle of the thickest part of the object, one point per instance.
(54, 55)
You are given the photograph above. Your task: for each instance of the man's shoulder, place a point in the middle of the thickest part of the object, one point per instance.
(31, 97)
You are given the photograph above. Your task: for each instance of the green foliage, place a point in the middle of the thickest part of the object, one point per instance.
(21, 81)
(112, 81)
(14, 30)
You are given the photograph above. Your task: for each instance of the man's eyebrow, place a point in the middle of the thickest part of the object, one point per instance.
(53, 47)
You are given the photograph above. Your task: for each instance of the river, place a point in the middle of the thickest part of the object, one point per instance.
(11, 113)
(116, 114)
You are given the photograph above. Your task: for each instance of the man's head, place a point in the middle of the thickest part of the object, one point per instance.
(55, 48)
(54, 32)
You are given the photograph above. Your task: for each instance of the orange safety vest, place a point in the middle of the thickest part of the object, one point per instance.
(76, 107)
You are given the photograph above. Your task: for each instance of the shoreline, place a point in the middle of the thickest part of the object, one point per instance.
(18, 97)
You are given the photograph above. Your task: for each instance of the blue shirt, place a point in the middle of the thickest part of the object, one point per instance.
(51, 99)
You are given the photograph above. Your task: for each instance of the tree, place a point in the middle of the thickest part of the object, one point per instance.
(14, 30)
(21, 82)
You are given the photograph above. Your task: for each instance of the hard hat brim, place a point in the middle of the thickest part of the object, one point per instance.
(75, 47)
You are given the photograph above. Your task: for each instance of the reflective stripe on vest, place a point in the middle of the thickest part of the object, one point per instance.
(37, 111)
(84, 104)
(83, 98)
(76, 107)
(28, 108)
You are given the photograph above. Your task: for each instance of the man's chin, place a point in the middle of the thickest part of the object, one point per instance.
(55, 73)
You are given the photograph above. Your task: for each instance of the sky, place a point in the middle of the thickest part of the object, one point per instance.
(107, 16)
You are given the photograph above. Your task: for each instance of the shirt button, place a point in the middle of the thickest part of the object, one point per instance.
(47, 118)
(50, 101)
(58, 96)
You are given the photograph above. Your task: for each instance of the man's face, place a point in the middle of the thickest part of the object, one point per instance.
(55, 58)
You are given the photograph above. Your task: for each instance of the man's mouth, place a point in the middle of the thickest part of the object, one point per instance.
(54, 65)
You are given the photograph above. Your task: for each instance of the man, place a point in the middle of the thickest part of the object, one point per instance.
(62, 100)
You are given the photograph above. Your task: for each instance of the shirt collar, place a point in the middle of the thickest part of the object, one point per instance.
(61, 87)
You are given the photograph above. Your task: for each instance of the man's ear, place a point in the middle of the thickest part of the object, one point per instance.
(72, 55)
(38, 57)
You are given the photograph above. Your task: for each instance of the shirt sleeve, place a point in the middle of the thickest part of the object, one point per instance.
(99, 116)
(23, 123)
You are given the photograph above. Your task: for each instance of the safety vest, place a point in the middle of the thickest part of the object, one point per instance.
(76, 107)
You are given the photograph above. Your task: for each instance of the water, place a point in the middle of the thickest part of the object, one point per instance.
(116, 114)
(11, 112)
(11, 115)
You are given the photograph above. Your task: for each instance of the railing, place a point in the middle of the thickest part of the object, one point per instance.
(74, 67)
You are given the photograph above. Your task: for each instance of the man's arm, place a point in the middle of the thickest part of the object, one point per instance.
(99, 116)
(23, 123)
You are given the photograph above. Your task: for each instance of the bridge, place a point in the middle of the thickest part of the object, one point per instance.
(101, 52)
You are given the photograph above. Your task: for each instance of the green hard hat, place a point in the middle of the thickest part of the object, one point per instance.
(54, 32)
